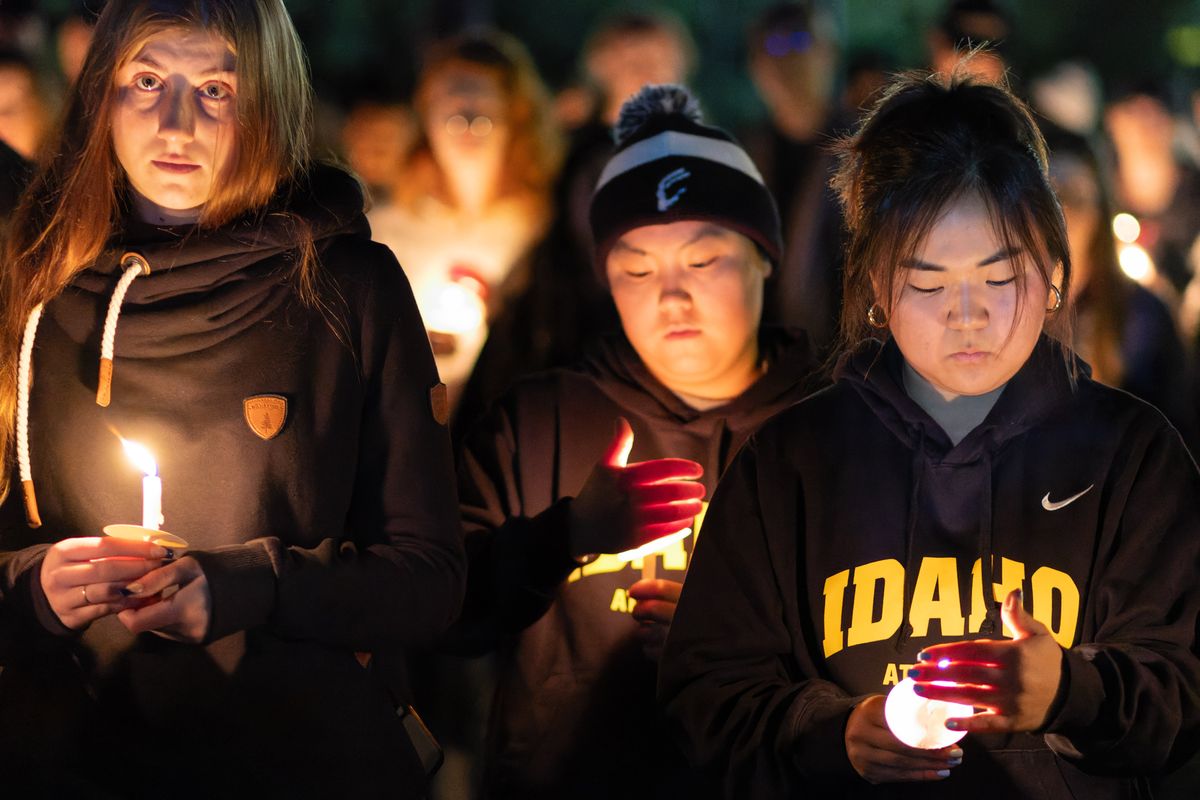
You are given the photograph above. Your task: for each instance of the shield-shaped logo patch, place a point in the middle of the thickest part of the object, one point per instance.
(265, 414)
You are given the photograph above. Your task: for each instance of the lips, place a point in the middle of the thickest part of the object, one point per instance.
(176, 167)
(969, 356)
(682, 333)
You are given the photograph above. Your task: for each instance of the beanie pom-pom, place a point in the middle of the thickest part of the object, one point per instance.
(663, 100)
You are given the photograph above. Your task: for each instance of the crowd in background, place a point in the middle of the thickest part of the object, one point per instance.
(480, 183)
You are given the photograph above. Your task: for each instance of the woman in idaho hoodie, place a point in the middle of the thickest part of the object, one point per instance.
(687, 234)
(180, 276)
(964, 505)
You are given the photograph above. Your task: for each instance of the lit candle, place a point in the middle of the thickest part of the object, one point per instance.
(919, 722)
(152, 517)
(650, 550)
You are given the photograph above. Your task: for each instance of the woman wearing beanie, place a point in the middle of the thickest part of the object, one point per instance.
(574, 467)
(964, 505)
(182, 276)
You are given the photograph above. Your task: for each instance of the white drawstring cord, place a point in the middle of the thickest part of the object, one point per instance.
(134, 266)
(24, 384)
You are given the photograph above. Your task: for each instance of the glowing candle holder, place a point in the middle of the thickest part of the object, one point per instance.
(920, 722)
(152, 518)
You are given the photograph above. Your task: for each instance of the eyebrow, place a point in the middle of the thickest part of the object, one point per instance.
(707, 232)
(624, 246)
(999, 255)
(149, 61)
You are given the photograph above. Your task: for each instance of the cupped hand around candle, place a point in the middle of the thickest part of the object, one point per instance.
(83, 577)
(879, 757)
(656, 601)
(182, 616)
(623, 506)
(1015, 680)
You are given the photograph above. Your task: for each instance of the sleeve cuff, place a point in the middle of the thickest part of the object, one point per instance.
(39, 604)
(241, 585)
(1080, 694)
(819, 743)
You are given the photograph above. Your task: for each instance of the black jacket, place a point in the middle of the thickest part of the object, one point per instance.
(339, 534)
(850, 514)
(575, 714)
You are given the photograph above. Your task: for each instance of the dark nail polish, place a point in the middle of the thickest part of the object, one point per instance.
(914, 673)
(954, 762)
(923, 656)
(953, 724)
(170, 554)
(125, 592)
(919, 689)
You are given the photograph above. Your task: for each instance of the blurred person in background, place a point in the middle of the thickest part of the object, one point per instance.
(563, 306)
(72, 38)
(1152, 182)
(867, 73)
(965, 27)
(23, 116)
(376, 138)
(1123, 331)
(793, 61)
(474, 195)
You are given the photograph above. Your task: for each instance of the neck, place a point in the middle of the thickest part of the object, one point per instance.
(153, 214)
(472, 185)
(707, 393)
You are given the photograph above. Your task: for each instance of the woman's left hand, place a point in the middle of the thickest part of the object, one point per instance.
(656, 601)
(184, 615)
(1015, 681)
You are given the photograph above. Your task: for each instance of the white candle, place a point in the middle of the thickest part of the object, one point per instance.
(919, 722)
(152, 517)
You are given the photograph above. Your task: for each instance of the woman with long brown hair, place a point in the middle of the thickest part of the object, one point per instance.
(181, 277)
(473, 198)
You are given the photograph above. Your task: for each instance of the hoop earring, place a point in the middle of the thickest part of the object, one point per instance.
(1058, 299)
(876, 316)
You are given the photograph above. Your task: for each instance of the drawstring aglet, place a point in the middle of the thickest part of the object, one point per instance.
(32, 517)
(133, 265)
(104, 385)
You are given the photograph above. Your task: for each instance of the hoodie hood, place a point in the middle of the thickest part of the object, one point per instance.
(951, 488)
(227, 278)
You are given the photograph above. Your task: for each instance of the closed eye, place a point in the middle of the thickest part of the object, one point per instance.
(1004, 282)
(934, 290)
(702, 264)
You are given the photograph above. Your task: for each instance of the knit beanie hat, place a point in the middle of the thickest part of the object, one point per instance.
(670, 167)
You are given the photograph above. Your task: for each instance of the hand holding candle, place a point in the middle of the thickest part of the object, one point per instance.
(879, 757)
(1015, 680)
(623, 507)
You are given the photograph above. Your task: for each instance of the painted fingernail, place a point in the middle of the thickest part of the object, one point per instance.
(124, 592)
(918, 688)
(170, 553)
(914, 673)
(953, 724)
(956, 753)
(923, 656)
(954, 762)
(943, 773)
(132, 589)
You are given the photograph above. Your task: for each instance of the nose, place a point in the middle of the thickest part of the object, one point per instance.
(673, 291)
(177, 116)
(967, 311)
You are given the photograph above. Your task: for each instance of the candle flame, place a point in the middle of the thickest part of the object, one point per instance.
(141, 457)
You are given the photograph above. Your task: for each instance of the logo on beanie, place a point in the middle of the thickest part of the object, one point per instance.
(669, 180)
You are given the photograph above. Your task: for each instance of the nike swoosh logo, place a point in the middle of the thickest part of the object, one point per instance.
(1046, 504)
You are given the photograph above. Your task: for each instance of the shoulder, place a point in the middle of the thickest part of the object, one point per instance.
(1098, 413)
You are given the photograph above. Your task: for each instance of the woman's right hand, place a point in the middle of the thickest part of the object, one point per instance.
(878, 756)
(83, 578)
(623, 506)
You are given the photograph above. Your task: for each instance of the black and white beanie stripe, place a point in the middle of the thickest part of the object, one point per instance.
(670, 167)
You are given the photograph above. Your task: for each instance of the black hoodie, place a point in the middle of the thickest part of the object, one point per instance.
(337, 534)
(575, 714)
(851, 514)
